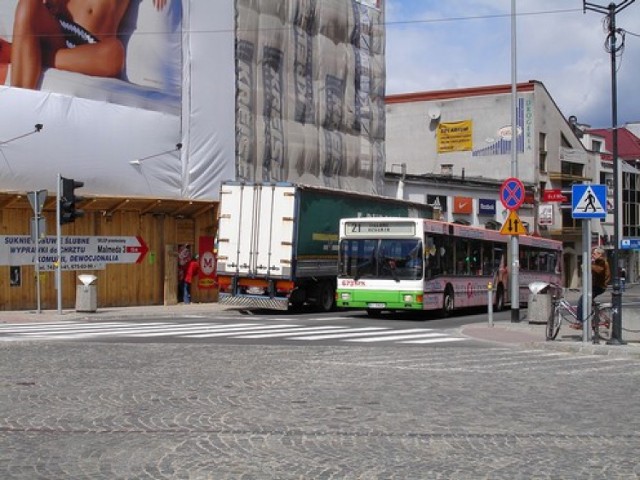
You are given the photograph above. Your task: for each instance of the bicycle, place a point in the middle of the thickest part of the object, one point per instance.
(601, 315)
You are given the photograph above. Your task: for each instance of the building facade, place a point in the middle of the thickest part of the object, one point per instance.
(456, 145)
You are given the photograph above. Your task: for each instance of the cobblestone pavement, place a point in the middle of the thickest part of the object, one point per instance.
(171, 411)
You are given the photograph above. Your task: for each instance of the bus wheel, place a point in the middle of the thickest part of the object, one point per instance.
(374, 312)
(499, 303)
(326, 299)
(447, 302)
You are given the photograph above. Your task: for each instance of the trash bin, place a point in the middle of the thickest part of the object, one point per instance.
(540, 302)
(86, 294)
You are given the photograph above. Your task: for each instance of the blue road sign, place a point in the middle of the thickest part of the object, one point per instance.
(512, 193)
(588, 201)
(630, 243)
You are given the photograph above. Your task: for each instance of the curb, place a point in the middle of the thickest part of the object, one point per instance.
(532, 336)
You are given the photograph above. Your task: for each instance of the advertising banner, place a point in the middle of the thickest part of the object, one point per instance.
(486, 206)
(77, 252)
(207, 277)
(455, 136)
(147, 112)
(462, 205)
(310, 99)
(545, 214)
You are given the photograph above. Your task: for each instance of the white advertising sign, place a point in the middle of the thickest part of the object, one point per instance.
(545, 214)
(77, 252)
(171, 87)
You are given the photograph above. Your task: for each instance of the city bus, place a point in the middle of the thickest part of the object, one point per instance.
(389, 264)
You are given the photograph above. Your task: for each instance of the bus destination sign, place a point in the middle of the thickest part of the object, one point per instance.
(378, 228)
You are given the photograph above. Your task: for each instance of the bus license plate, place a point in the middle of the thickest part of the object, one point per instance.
(377, 305)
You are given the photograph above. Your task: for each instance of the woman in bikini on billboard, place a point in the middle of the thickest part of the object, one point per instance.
(74, 35)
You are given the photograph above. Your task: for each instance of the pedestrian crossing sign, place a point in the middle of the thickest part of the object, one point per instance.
(588, 201)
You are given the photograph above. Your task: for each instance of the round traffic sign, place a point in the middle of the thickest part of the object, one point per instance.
(512, 193)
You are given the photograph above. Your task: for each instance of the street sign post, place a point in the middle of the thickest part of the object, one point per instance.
(512, 193)
(588, 201)
(630, 243)
(512, 197)
(38, 230)
(37, 199)
(513, 225)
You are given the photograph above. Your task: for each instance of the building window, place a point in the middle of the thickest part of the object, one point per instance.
(571, 168)
(596, 145)
(542, 157)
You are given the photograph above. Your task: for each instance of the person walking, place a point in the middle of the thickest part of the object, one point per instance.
(191, 270)
(600, 278)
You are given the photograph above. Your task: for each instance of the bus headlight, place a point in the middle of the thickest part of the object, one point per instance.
(407, 298)
(345, 296)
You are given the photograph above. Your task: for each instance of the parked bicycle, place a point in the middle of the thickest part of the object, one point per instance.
(562, 310)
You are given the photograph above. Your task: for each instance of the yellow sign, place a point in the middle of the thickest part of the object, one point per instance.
(455, 136)
(513, 225)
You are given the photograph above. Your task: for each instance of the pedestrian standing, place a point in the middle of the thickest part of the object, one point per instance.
(623, 278)
(600, 278)
(191, 270)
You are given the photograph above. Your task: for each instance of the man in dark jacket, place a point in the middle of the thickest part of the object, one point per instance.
(600, 278)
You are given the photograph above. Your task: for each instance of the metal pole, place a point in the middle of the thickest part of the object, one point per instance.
(490, 303)
(586, 279)
(59, 245)
(515, 255)
(37, 228)
(616, 297)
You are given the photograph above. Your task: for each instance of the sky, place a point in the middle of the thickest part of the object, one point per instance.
(449, 44)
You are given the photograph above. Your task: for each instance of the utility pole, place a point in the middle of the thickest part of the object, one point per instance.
(611, 10)
(515, 254)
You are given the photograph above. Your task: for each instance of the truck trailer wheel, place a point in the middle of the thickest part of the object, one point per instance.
(327, 297)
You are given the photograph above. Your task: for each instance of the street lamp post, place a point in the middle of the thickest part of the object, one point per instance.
(611, 10)
(515, 255)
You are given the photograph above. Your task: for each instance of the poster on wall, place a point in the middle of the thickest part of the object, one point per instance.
(207, 258)
(110, 107)
(15, 276)
(455, 136)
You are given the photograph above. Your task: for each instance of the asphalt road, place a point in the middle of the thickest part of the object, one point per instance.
(85, 408)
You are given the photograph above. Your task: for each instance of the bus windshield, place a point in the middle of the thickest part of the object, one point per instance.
(397, 259)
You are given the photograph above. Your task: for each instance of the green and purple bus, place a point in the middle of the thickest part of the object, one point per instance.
(390, 264)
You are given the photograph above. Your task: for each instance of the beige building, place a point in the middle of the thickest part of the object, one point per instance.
(455, 145)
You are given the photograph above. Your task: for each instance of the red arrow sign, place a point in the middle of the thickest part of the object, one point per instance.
(142, 249)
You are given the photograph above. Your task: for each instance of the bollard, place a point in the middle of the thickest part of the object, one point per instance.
(490, 302)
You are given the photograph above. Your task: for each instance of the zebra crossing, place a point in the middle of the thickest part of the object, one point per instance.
(72, 330)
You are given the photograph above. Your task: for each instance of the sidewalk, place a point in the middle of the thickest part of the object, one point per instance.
(112, 313)
(522, 334)
(532, 335)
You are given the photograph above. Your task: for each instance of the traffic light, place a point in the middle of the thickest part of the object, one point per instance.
(68, 200)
